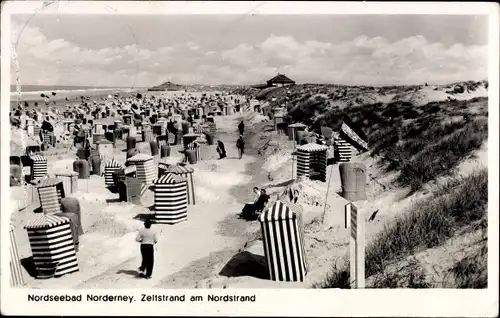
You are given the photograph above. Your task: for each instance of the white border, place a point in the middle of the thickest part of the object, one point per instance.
(457, 303)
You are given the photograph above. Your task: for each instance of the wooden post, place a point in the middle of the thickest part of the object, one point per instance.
(356, 222)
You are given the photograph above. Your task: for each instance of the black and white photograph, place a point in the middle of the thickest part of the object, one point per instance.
(232, 152)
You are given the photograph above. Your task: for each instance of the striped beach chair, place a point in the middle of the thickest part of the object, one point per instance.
(48, 137)
(170, 199)
(52, 245)
(283, 235)
(39, 167)
(195, 146)
(51, 192)
(309, 156)
(212, 128)
(185, 172)
(342, 150)
(146, 170)
(109, 168)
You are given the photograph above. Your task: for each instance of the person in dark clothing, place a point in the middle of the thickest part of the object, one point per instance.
(241, 128)
(240, 144)
(147, 238)
(250, 210)
(221, 149)
(172, 129)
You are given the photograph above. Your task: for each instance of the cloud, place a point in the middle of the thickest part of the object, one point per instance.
(362, 60)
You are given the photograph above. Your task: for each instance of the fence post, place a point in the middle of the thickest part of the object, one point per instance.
(355, 221)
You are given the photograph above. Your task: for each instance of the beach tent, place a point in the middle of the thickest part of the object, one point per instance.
(105, 148)
(109, 168)
(170, 199)
(342, 150)
(283, 235)
(147, 132)
(39, 167)
(50, 192)
(312, 157)
(201, 129)
(162, 140)
(293, 128)
(189, 138)
(211, 127)
(69, 180)
(278, 118)
(195, 147)
(146, 170)
(182, 170)
(52, 246)
(203, 151)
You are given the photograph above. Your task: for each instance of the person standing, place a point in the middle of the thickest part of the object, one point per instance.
(241, 128)
(147, 238)
(240, 144)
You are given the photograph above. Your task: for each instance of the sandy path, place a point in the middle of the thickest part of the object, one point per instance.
(211, 227)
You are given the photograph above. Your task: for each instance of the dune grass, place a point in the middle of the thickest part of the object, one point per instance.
(441, 157)
(421, 143)
(456, 206)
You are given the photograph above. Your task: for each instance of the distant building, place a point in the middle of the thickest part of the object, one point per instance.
(280, 80)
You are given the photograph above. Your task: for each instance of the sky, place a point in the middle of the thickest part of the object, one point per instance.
(147, 50)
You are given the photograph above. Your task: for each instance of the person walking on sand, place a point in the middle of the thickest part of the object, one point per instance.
(147, 238)
(241, 128)
(240, 144)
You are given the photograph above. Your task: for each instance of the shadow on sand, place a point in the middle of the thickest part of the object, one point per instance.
(145, 216)
(29, 266)
(134, 273)
(246, 264)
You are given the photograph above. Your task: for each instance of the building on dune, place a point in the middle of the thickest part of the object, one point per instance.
(279, 80)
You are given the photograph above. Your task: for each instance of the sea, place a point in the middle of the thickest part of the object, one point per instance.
(62, 95)
(59, 88)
